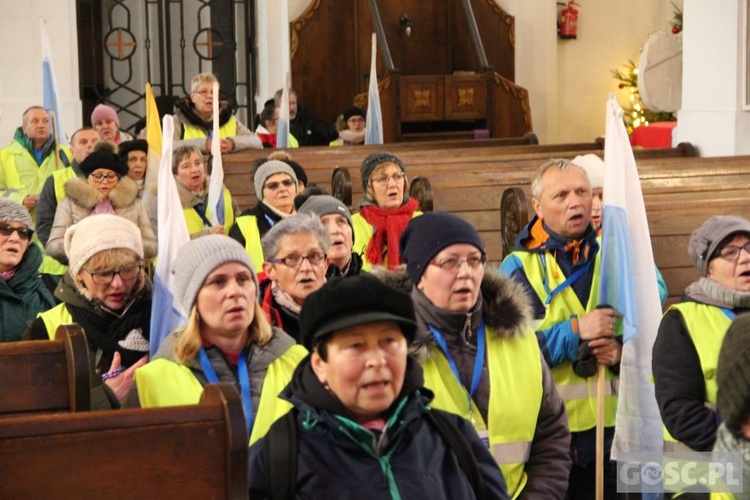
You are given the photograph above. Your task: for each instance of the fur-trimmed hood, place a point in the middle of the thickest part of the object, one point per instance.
(503, 304)
(123, 195)
(185, 111)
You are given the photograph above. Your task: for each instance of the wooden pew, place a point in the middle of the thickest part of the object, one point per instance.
(45, 376)
(195, 451)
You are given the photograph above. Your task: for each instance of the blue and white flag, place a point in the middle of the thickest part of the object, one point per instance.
(49, 83)
(215, 207)
(166, 313)
(629, 285)
(282, 126)
(374, 124)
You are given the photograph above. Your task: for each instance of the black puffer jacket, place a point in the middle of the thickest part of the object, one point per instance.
(339, 459)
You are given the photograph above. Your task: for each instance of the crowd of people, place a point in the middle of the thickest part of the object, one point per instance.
(379, 343)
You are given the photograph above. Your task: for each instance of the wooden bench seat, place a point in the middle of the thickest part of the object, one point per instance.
(45, 376)
(195, 451)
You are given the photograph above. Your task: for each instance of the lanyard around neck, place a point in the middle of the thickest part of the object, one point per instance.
(728, 313)
(478, 360)
(244, 376)
(565, 284)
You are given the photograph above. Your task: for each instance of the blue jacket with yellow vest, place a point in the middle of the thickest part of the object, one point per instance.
(685, 357)
(194, 204)
(541, 262)
(516, 403)
(166, 382)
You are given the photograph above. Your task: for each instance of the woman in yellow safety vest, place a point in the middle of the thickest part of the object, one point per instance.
(107, 293)
(189, 170)
(193, 120)
(686, 350)
(481, 357)
(226, 339)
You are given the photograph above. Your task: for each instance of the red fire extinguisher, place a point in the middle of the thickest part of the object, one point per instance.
(569, 21)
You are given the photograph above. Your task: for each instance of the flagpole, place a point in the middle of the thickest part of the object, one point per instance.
(53, 120)
(600, 386)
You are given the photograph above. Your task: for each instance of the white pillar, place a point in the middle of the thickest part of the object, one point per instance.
(711, 116)
(21, 61)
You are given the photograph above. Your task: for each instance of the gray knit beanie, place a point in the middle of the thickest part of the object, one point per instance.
(99, 233)
(12, 211)
(372, 162)
(706, 239)
(733, 375)
(268, 169)
(323, 204)
(199, 257)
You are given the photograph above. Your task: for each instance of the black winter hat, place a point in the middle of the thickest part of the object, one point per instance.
(103, 157)
(298, 171)
(354, 111)
(425, 236)
(733, 375)
(135, 145)
(351, 301)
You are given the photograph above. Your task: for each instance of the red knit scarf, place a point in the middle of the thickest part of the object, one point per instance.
(388, 224)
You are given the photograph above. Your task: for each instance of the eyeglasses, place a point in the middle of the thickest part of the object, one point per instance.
(454, 264)
(23, 233)
(294, 261)
(355, 119)
(204, 93)
(385, 179)
(273, 186)
(126, 273)
(104, 177)
(732, 252)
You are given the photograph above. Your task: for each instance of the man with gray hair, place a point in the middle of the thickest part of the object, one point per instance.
(306, 128)
(556, 258)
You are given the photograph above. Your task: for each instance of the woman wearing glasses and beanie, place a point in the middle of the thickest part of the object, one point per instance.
(276, 185)
(106, 292)
(103, 188)
(22, 293)
(296, 262)
(384, 211)
(686, 350)
(480, 354)
(226, 338)
(193, 120)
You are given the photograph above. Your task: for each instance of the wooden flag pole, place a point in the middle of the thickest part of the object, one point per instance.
(53, 120)
(600, 386)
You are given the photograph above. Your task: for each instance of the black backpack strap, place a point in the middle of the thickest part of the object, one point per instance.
(457, 442)
(281, 451)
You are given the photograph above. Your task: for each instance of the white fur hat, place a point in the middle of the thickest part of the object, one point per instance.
(594, 167)
(98, 233)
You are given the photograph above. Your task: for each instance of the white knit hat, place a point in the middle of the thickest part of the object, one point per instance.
(268, 169)
(594, 167)
(199, 257)
(98, 233)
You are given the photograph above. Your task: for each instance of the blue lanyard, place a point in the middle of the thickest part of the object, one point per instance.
(565, 284)
(478, 360)
(201, 211)
(728, 312)
(244, 375)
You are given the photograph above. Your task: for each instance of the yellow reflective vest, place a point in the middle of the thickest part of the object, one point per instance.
(706, 326)
(20, 175)
(229, 129)
(195, 224)
(515, 371)
(248, 225)
(163, 382)
(578, 393)
(362, 234)
(51, 265)
(52, 318)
